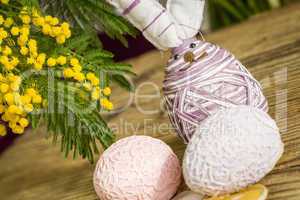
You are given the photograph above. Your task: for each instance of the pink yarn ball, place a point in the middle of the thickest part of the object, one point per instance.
(137, 168)
(196, 90)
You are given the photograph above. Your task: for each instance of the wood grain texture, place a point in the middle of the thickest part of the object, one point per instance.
(269, 45)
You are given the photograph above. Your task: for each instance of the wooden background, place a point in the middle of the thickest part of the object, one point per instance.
(269, 45)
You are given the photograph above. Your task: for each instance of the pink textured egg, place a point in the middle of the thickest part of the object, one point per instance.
(137, 168)
(200, 79)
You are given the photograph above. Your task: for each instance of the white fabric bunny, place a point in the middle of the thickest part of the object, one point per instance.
(163, 27)
(201, 80)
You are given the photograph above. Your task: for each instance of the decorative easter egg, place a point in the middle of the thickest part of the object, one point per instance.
(137, 168)
(254, 192)
(232, 149)
(200, 79)
(188, 195)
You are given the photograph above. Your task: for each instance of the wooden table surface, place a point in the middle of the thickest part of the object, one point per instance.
(269, 45)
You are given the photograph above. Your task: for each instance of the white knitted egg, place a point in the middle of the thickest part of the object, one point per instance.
(232, 149)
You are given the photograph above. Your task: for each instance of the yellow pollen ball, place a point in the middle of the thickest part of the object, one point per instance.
(46, 29)
(68, 73)
(15, 31)
(109, 106)
(77, 68)
(18, 130)
(2, 108)
(9, 98)
(24, 51)
(33, 53)
(7, 50)
(41, 58)
(15, 86)
(67, 33)
(22, 40)
(95, 95)
(25, 30)
(106, 91)
(3, 34)
(74, 62)
(95, 81)
(54, 21)
(79, 76)
(30, 91)
(23, 122)
(26, 99)
(28, 108)
(32, 43)
(56, 31)
(8, 22)
(105, 103)
(12, 124)
(15, 61)
(4, 87)
(61, 60)
(25, 19)
(48, 18)
(60, 39)
(3, 131)
(38, 66)
(9, 66)
(51, 62)
(65, 26)
(13, 118)
(37, 99)
(1, 19)
(4, 117)
(90, 76)
(13, 109)
(39, 21)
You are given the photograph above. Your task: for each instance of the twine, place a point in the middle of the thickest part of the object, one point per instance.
(195, 91)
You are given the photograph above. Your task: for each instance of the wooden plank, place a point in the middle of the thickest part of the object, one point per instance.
(269, 45)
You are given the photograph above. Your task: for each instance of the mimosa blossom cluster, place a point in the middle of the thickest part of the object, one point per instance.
(19, 50)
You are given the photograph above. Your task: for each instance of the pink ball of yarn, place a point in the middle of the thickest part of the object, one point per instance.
(137, 167)
(214, 78)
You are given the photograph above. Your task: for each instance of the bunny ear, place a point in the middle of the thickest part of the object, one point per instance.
(153, 20)
(188, 14)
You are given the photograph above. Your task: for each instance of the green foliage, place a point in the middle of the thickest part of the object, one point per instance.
(74, 120)
(91, 16)
(69, 115)
(227, 12)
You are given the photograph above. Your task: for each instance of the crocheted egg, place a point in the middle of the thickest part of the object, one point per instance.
(137, 168)
(188, 195)
(200, 79)
(232, 149)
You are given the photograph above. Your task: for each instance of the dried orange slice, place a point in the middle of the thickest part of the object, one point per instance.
(255, 192)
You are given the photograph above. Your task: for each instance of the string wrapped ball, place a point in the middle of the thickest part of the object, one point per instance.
(200, 79)
(137, 167)
(232, 149)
